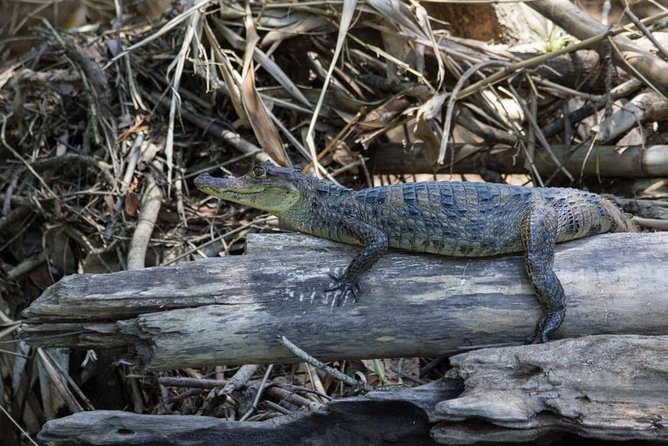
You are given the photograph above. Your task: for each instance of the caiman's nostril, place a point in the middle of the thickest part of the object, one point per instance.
(202, 179)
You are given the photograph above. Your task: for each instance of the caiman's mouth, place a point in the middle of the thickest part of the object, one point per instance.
(218, 187)
(268, 194)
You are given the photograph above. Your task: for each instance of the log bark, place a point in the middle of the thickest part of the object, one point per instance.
(231, 310)
(604, 387)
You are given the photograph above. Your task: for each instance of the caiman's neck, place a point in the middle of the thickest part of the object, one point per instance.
(313, 189)
(319, 202)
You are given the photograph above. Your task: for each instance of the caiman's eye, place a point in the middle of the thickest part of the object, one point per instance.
(259, 172)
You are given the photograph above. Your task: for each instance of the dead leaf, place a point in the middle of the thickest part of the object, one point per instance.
(305, 26)
(382, 116)
(131, 204)
(109, 202)
(260, 121)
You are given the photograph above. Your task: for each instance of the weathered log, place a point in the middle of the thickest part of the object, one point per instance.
(231, 310)
(602, 161)
(605, 387)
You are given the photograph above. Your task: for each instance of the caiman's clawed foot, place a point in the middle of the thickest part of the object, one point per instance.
(343, 285)
(539, 336)
(547, 325)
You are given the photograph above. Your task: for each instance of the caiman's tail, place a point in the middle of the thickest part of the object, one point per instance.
(621, 221)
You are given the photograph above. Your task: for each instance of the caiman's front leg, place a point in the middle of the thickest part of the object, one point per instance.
(374, 242)
(539, 236)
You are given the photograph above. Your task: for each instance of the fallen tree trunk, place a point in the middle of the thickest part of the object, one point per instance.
(231, 310)
(602, 161)
(605, 387)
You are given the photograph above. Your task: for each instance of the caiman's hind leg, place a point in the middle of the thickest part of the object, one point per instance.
(539, 235)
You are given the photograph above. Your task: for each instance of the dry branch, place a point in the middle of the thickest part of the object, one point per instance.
(150, 207)
(643, 108)
(645, 65)
(231, 310)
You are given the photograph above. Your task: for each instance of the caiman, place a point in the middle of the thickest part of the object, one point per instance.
(440, 217)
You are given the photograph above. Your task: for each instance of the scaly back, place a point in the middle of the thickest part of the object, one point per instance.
(451, 218)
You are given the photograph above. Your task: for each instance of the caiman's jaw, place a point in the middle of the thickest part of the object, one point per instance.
(257, 189)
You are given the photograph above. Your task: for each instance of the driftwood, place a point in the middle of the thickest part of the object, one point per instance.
(231, 310)
(605, 387)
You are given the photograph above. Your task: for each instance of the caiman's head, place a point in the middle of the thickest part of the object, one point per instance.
(266, 187)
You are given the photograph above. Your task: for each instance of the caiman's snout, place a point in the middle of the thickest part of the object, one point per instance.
(204, 180)
(266, 193)
(219, 186)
